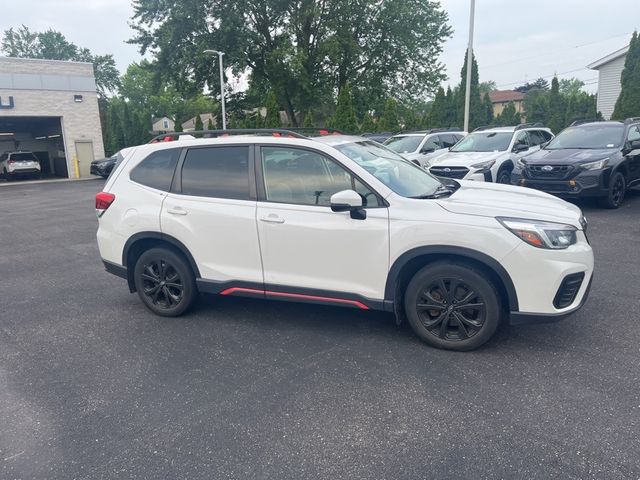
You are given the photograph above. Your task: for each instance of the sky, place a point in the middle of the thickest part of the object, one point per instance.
(515, 40)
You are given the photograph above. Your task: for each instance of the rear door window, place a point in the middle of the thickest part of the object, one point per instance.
(218, 172)
(156, 171)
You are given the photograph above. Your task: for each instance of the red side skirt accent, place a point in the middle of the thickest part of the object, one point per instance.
(233, 290)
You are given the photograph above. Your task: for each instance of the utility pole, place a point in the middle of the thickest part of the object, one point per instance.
(467, 93)
(220, 54)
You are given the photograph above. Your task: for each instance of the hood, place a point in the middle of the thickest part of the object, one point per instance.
(497, 200)
(568, 155)
(424, 156)
(464, 159)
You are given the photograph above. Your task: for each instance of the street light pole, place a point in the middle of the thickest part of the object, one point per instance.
(220, 54)
(467, 93)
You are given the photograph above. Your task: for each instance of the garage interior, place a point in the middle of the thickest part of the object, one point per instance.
(40, 135)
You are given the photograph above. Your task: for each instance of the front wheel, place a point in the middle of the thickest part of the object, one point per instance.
(617, 189)
(165, 282)
(453, 306)
(504, 176)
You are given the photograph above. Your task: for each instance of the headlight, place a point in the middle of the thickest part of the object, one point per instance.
(555, 236)
(484, 165)
(521, 163)
(597, 165)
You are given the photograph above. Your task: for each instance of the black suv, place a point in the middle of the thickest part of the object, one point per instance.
(588, 159)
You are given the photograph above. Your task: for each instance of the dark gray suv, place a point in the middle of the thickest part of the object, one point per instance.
(591, 159)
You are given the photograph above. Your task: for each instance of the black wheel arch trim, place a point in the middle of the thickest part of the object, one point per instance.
(486, 260)
(164, 238)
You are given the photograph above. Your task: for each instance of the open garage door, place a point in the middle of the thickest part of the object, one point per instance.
(40, 135)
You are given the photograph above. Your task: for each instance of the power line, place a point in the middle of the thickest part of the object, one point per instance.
(556, 51)
(544, 77)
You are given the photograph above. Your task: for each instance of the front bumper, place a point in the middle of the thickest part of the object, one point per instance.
(586, 184)
(461, 173)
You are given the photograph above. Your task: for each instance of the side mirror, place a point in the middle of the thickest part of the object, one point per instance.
(427, 150)
(520, 147)
(634, 145)
(348, 201)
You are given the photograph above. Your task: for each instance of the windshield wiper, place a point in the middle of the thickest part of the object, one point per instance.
(439, 192)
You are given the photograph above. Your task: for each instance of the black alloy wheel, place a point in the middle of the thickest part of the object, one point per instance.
(617, 189)
(165, 282)
(452, 305)
(504, 176)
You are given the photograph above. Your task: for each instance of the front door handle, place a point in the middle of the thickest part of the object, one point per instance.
(177, 211)
(272, 218)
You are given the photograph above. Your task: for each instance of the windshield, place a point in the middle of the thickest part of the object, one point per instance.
(400, 175)
(484, 142)
(405, 144)
(22, 157)
(588, 137)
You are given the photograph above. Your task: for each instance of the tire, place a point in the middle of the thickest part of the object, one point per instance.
(504, 176)
(616, 191)
(447, 324)
(165, 283)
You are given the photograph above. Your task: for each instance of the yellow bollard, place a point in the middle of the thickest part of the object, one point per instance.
(76, 166)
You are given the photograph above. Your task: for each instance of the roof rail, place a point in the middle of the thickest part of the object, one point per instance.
(273, 132)
(580, 121)
(432, 130)
(631, 120)
(315, 131)
(483, 127)
(528, 125)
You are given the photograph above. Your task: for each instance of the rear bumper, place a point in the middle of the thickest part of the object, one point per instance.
(24, 171)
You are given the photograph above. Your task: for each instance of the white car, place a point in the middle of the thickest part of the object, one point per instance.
(19, 164)
(339, 220)
(421, 146)
(490, 153)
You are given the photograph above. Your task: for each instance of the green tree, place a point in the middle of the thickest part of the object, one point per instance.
(368, 125)
(308, 120)
(53, 45)
(210, 124)
(438, 115)
(557, 109)
(451, 109)
(628, 103)
(272, 120)
(198, 124)
(571, 86)
(389, 120)
(488, 106)
(508, 116)
(345, 117)
(539, 84)
(302, 50)
(477, 110)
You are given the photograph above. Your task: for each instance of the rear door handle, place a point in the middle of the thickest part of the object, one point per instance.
(272, 218)
(177, 211)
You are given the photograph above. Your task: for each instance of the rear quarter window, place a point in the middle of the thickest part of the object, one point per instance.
(156, 171)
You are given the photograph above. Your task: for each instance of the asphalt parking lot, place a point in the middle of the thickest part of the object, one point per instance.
(94, 386)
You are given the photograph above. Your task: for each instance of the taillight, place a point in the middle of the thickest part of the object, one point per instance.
(103, 202)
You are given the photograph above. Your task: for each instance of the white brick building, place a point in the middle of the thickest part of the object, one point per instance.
(51, 108)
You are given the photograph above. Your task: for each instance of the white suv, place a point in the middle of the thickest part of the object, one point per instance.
(339, 220)
(421, 146)
(490, 153)
(19, 164)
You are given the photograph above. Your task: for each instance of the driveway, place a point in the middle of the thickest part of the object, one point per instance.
(94, 386)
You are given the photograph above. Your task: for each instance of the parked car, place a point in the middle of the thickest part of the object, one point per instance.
(379, 137)
(103, 166)
(593, 159)
(422, 145)
(339, 220)
(19, 165)
(490, 153)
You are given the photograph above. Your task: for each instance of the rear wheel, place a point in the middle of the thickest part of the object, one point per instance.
(165, 282)
(453, 306)
(617, 189)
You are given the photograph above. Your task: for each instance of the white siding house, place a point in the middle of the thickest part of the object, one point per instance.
(609, 74)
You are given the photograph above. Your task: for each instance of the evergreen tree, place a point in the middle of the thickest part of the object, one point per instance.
(198, 125)
(308, 120)
(389, 119)
(210, 124)
(557, 109)
(628, 103)
(508, 116)
(367, 125)
(451, 117)
(488, 106)
(536, 106)
(345, 116)
(477, 110)
(438, 116)
(272, 120)
(178, 127)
